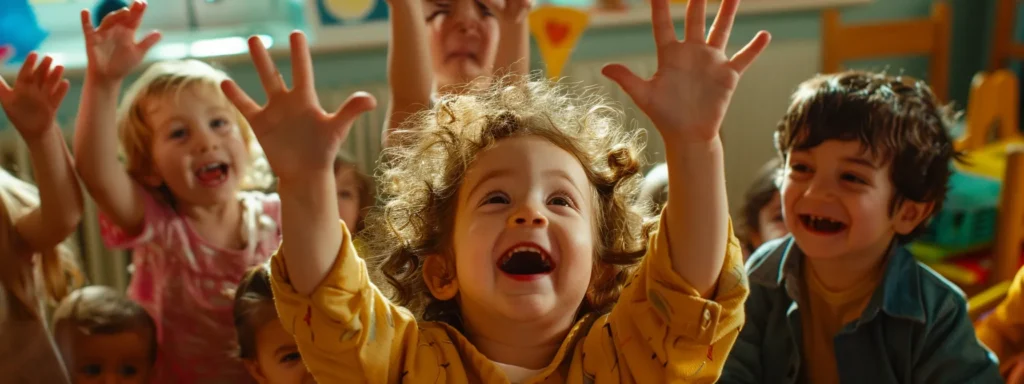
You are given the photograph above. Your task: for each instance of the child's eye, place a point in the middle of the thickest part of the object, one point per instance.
(177, 133)
(853, 178)
(218, 123)
(129, 371)
(294, 356)
(777, 218)
(484, 10)
(799, 168)
(91, 370)
(441, 8)
(496, 198)
(560, 200)
(345, 195)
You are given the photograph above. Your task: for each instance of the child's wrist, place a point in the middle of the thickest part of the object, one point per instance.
(46, 136)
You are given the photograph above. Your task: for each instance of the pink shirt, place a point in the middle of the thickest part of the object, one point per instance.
(184, 283)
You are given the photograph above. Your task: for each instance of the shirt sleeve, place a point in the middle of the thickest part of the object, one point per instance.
(346, 330)
(951, 352)
(662, 322)
(1003, 329)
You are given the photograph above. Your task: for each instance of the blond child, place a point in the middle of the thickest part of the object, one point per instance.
(866, 162)
(451, 46)
(654, 190)
(35, 270)
(509, 229)
(761, 213)
(105, 337)
(268, 351)
(176, 200)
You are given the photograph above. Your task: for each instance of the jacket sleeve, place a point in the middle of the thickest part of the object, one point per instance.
(662, 324)
(951, 352)
(346, 330)
(1003, 329)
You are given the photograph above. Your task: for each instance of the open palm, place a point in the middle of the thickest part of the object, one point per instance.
(689, 94)
(38, 91)
(111, 49)
(297, 136)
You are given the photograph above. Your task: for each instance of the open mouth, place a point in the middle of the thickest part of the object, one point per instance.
(462, 55)
(526, 260)
(822, 224)
(212, 174)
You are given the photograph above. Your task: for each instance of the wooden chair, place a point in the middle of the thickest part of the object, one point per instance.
(1004, 48)
(993, 105)
(917, 37)
(1009, 235)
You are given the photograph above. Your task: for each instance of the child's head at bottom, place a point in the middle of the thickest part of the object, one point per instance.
(105, 337)
(510, 208)
(268, 351)
(761, 214)
(867, 159)
(355, 191)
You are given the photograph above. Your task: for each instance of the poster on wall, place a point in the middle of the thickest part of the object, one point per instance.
(335, 13)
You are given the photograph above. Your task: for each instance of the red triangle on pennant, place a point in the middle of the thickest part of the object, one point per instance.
(557, 31)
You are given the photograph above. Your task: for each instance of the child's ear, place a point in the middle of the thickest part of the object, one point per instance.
(910, 214)
(439, 275)
(255, 371)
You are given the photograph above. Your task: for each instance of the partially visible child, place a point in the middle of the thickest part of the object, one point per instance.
(105, 337)
(761, 214)
(35, 270)
(176, 201)
(867, 161)
(654, 190)
(1003, 332)
(451, 46)
(268, 351)
(355, 191)
(510, 228)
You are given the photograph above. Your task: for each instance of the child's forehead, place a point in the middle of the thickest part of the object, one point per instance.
(172, 101)
(842, 149)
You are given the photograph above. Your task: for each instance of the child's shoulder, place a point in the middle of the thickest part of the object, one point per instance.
(766, 263)
(934, 286)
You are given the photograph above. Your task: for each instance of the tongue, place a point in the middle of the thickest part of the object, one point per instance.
(210, 175)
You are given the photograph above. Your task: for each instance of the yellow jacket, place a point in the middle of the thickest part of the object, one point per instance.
(661, 330)
(1003, 330)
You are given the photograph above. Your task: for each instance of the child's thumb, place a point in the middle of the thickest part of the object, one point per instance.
(356, 104)
(630, 83)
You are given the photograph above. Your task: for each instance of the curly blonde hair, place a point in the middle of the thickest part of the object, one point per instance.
(172, 77)
(58, 267)
(420, 177)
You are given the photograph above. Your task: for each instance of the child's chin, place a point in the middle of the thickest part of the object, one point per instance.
(529, 307)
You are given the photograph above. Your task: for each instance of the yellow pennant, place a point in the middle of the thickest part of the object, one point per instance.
(557, 30)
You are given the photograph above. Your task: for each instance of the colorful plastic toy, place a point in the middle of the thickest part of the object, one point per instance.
(19, 28)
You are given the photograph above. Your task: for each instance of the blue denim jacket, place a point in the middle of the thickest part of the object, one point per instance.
(914, 329)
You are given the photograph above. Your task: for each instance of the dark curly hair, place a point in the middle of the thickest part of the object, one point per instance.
(895, 118)
(421, 175)
(758, 195)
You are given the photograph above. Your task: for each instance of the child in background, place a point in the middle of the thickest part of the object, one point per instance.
(867, 161)
(511, 230)
(105, 337)
(355, 192)
(176, 200)
(268, 351)
(1003, 332)
(762, 209)
(451, 46)
(654, 190)
(35, 270)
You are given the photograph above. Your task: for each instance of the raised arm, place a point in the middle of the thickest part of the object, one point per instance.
(514, 47)
(32, 108)
(687, 99)
(113, 53)
(300, 141)
(410, 79)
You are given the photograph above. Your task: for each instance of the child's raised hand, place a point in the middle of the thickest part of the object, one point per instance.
(510, 11)
(297, 136)
(111, 49)
(38, 91)
(687, 97)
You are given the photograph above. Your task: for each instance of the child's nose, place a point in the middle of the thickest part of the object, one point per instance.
(466, 15)
(528, 217)
(207, 142)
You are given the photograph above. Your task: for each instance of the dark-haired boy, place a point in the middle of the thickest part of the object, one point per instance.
(866, 162)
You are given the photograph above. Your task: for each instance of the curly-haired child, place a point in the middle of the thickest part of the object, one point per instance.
(509, 229)
(761, 214)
